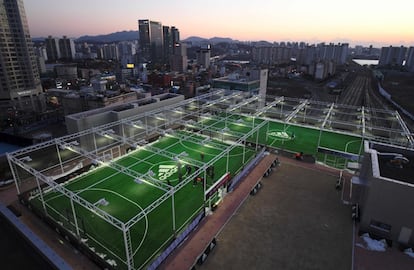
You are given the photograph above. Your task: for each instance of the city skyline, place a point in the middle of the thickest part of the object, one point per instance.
(353, 22)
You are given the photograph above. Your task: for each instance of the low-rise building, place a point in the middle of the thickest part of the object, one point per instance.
(384, 191)
(253, 81)
(84, 120)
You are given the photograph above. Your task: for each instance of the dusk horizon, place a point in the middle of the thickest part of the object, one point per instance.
(356, 23)
(352, 43)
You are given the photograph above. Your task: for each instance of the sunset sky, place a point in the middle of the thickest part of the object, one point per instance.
(362, 22)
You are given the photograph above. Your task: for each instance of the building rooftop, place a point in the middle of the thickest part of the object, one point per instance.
(122, 107)
(397, 164)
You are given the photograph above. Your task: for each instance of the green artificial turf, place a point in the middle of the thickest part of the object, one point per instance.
(126, 198)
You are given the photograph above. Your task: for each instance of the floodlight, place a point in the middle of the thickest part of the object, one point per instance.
(138, 181)
(26, 159)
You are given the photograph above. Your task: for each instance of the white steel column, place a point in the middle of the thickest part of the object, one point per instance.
(244, 151)
(60, 159)
(204, 187)
(75, 220)
(94, 143)
(41, 195)
(267, 130)
(227, 162)
(319, 139)
(146, 124)
(128, 248)
(173, 210)
(13, 168)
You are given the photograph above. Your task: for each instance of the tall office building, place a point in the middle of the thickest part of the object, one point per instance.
(144, 40)
(150, 41)
(171, 41)
(167, 43)
(20, 86)
(175, 37)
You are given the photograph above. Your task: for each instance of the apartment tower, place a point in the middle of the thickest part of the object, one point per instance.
(20, 87)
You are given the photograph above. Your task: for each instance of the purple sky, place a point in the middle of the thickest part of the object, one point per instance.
(356, 22)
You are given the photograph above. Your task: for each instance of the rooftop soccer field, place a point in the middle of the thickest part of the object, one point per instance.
(123, 197)
(129, 189)
(289, 137)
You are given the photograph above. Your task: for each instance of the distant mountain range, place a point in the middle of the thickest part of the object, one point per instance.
(194, 40)
(134, 35)
(112, 37)
(199, 40)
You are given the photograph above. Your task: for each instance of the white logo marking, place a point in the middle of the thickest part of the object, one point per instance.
(165, 171)
(279, 134)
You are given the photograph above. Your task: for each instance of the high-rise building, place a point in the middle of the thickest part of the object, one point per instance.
(157, 42)
(20, 87)
(341, 53)
(144, 40)
(52, 48)
(338, 52)
(393, 56)
(41, 58)
(175, 36)
(171, 43)
(179, 57)
(409, 62)
(167, 42)
(60, 48)
(310, 55)
(110, 52)
(127, 52)
(203, 56)
(67, 48)
(150, 41)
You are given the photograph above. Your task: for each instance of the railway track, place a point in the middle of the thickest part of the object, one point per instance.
(360, 92)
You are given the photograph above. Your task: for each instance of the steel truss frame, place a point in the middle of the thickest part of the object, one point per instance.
(221, 101)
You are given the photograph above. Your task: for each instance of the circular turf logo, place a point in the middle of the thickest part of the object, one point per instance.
(283, 135)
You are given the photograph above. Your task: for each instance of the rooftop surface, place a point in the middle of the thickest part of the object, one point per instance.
(401, 172)
(296, 221)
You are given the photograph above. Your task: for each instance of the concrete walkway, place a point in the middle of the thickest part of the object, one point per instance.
(185, 256)
(296, 221)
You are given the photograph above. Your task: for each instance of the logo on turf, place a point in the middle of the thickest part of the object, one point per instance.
(279, 134)
(165, 171)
